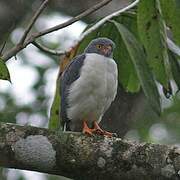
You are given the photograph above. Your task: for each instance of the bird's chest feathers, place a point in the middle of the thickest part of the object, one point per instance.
(96, 87)
(96, 71)
(98, 78)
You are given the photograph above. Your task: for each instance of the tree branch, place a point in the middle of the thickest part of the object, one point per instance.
(47, 50)
(34, 36)
(81, 157)
(32, 21)
(72, 20)
(105, 19)
(86, 33)
(98, 24)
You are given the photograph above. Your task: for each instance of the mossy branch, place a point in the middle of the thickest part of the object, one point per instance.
(81, 157)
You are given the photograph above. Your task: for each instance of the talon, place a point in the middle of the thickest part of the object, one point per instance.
(100, 131)
(86, 129)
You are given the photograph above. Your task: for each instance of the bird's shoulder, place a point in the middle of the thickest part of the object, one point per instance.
(72, 71)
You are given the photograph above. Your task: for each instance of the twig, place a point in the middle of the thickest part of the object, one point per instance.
(72, 20)
(47, 50)
(32, 21)
(34, 36)
(21, 45)
(102, 21)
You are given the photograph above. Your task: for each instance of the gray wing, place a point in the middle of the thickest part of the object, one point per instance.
(71, 74)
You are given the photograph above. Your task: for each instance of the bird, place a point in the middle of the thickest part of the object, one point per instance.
(88, 87)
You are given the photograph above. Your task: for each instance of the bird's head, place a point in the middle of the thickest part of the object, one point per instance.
(102, 46)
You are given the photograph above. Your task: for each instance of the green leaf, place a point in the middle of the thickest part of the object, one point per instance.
(54, 121)
(4, 72)
(126, 71)
(171, 13)
(138, 58)
(152, 33)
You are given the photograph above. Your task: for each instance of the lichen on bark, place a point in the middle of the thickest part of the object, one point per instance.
(77, 156)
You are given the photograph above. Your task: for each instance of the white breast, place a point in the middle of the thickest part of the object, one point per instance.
(91, 95)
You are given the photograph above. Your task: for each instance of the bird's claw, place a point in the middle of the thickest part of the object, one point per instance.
(88, 132)
(96, 130)
(104, 133)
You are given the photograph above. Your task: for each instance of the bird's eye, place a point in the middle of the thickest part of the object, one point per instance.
(99, 46)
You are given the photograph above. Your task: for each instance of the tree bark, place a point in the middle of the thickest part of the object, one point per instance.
(85, 158)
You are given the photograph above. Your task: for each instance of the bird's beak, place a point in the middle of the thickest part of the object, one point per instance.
(106, 50)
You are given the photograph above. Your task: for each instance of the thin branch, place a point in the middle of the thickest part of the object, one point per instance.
(32, 21)
(47, 50)
(19, 47)
(80, 16)
(102, 21)
(33, 37)
(72, 20)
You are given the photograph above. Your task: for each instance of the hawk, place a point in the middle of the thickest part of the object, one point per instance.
(88, 87)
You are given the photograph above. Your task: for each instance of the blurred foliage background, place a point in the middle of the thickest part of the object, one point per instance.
(33, 74)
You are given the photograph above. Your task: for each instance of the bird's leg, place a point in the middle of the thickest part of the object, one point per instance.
(98, 130)
(86, 129)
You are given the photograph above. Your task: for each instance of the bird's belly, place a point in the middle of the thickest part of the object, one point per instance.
(92, 93)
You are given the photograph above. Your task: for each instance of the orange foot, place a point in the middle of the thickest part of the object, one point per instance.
(86, 129)
(99, 131)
